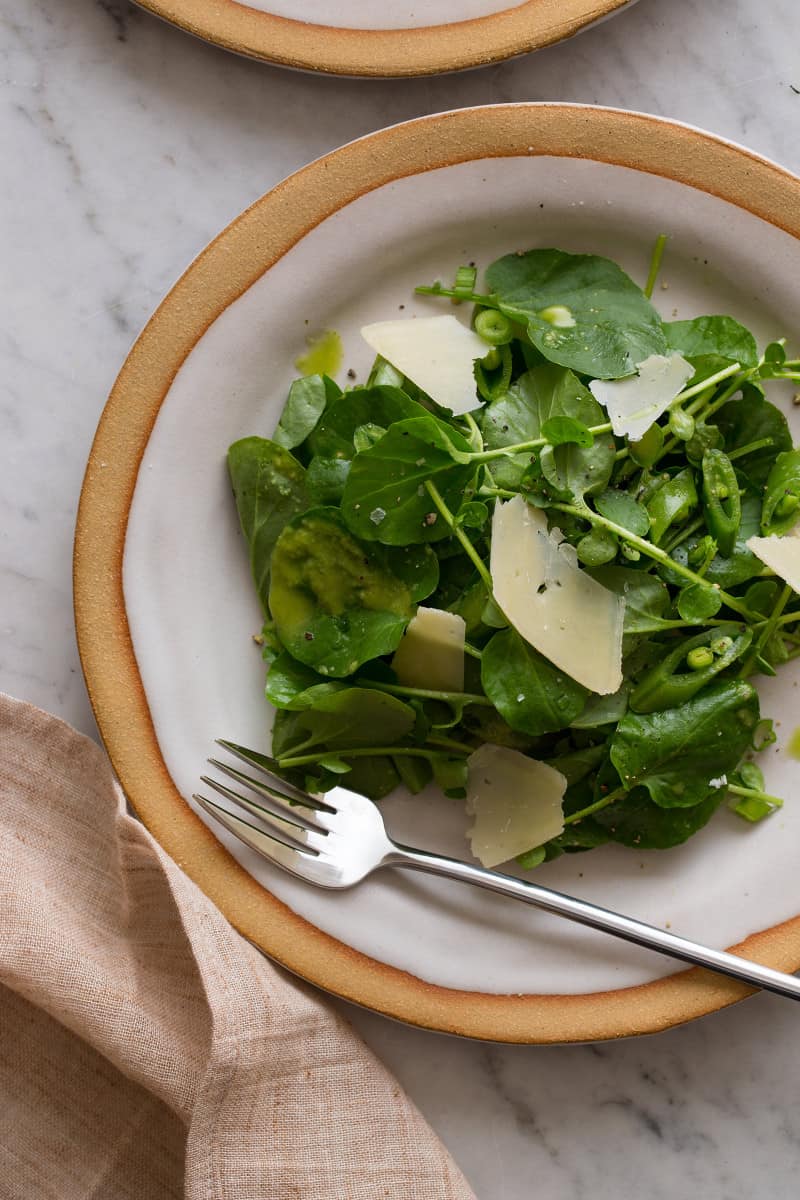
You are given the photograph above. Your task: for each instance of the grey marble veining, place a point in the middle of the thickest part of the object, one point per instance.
(127, 145)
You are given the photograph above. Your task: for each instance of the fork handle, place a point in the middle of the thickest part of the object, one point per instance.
(596, 917)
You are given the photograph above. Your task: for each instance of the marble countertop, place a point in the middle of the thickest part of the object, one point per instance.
(129, 146)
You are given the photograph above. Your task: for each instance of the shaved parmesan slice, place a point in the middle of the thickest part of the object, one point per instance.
(782, 554)
(431, 652)
(557, 607)
(435, 353)
(633, 404)
(516, 803)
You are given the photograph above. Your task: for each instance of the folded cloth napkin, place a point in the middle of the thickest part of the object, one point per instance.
(146, 1050)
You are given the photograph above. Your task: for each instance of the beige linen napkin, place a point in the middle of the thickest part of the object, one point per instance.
(146, 1050)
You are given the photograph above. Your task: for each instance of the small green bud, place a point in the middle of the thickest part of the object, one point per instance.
(699, 658)
(681, 424)
(701, 551)
(787, 505)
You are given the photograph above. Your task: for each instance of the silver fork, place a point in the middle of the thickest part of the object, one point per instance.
(337, 841)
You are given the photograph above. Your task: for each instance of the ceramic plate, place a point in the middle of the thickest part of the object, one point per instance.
(166, 610)
(400, 37)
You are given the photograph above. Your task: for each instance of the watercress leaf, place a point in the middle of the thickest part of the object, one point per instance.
(623, 510)
(343, 720)
(705, 437)
(473, 515)
(597, 547)
(635, 820)
(511, 419)
(698, 601)
(746, 421)
(529, 692)
(560, 431)
(374, 776)
(775, 352)
(383, 373)
(270, 488)
(781, 505)
(385, 498)
(493, 616)
(417, 566)
(469, 603)
(676, 752)
(301, 412)
(585, 835)
(336, 766)
(532, 858)
(380, 405)
(415, 773)
(367, 435)
(486, 725)
(575, 765)
(335, 605)
(325, 479)
(289, 681)
(760, 597)
(672, 503)
(720, 336)
(646, 598)
(581, 311)
(603, 710)
(538, 397)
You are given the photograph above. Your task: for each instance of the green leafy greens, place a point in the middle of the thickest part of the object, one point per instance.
(372, 501)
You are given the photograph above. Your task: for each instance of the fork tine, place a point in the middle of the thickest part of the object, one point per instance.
(293, 835)
(270, 768)
(279, 804)
(290, 858)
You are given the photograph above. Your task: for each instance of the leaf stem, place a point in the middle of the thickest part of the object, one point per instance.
(450, 744)
(767, 631)
(651, 551)
(397, 689)
(603, 802)
(684, 534)
(436, 289)
(756, 793)
(655, 264)
(474, 429)
(533, 444)
(469, 549)
(303, 760)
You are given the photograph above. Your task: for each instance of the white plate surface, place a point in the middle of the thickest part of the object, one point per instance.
(192, 608)
(383, 14)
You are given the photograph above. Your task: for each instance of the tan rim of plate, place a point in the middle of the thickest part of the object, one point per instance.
(383, 53)
(234, 261)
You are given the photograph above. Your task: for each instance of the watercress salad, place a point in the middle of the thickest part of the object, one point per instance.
(551, 595)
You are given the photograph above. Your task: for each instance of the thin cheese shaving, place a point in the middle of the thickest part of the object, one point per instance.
(781, 554)
(565, 614)
(435, 353)
(431, 652)
(633, 404)
(516, 802)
